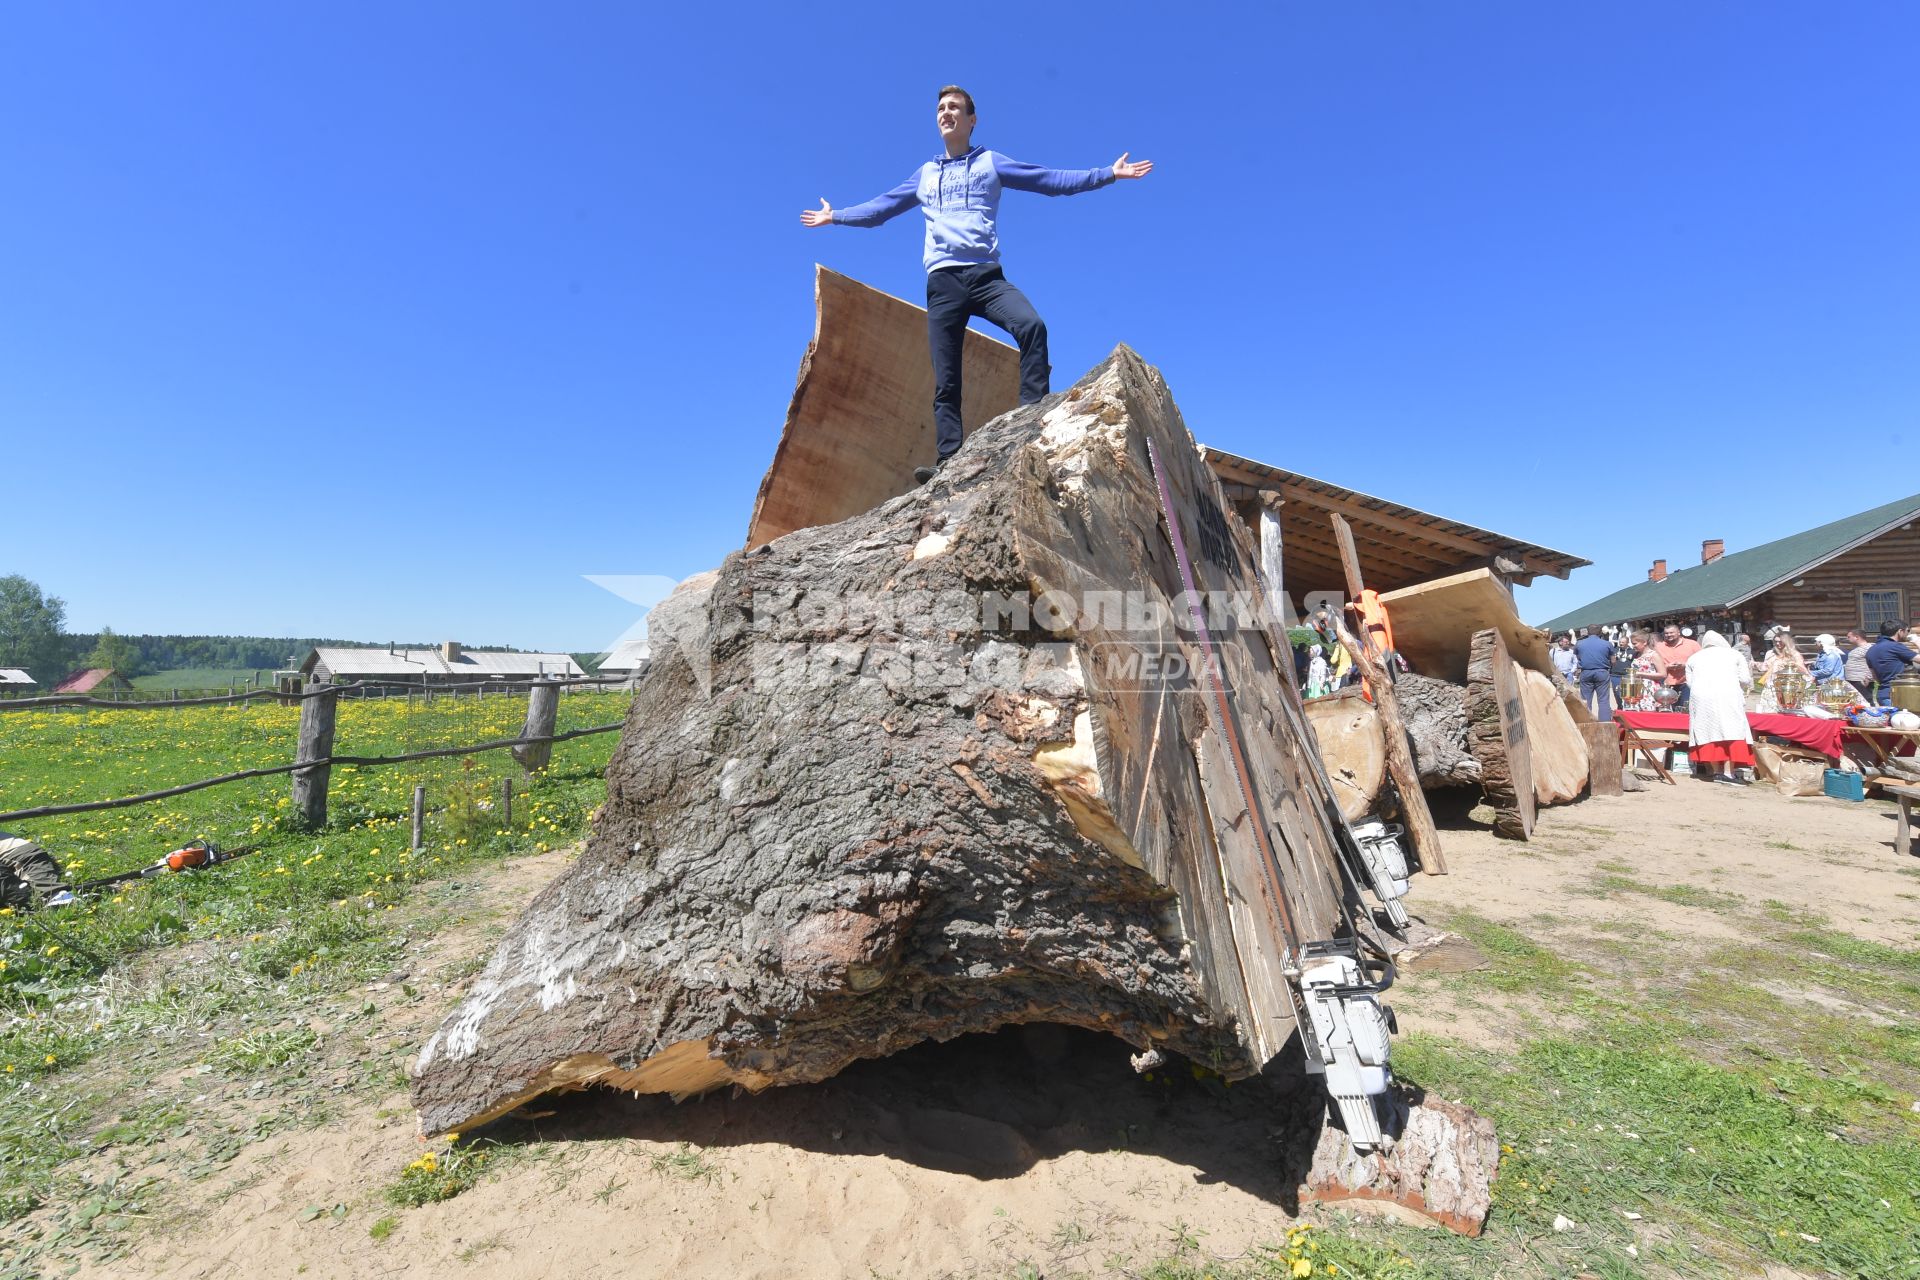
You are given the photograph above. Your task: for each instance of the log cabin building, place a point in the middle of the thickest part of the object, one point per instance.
(1856, 572)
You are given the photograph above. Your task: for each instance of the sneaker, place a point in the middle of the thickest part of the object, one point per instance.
(923, 474)
(1721, 777)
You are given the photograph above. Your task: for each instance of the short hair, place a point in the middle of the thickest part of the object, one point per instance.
(964, 95)
(1888, 630)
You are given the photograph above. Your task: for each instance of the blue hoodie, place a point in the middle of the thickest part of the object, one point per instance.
(961, 197)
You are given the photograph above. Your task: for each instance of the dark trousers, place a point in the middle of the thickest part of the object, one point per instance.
(954, 296)
(1596, 690)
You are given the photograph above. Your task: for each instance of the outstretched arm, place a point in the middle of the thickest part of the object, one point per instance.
(870, 214)
(1021, 176)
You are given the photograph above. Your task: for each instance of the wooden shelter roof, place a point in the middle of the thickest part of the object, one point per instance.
(1398, 545)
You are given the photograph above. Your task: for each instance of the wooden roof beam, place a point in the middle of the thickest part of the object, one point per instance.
(1414, 559)
(1293, 492)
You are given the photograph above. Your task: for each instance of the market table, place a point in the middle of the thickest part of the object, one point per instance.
(1823, 736)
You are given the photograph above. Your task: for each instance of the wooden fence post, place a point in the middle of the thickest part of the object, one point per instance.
(543, 705)
(419, 814)
(506, 803)
(315, 743)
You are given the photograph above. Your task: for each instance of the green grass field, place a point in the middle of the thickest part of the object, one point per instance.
(1671, 1093)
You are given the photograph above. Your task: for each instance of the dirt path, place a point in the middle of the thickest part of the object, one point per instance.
(1032, 1148)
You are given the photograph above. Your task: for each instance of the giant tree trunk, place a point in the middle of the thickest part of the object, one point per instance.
(1435, 712)
(849, 814)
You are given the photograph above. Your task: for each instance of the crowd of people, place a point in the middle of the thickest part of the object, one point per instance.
(1712, 679)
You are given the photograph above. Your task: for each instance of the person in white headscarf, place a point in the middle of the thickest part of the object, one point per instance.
(1318, 673)
(1831, 664)
(1717, 722)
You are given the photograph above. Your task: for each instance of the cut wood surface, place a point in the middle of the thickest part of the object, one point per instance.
(1497, 734)
(1434, 624)
(849, 813)
(861, 418)
(1558, 751)
(1348, 730)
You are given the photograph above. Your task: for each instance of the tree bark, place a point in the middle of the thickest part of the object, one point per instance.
(1497, 734)
(1435, 713)
(849, 813)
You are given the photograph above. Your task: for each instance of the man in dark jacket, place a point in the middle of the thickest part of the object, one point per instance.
(1595, 656)
(1887, 658)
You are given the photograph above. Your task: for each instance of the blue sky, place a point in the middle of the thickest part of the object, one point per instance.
(396, 321)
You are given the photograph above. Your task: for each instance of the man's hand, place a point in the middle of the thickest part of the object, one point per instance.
(823, 216)
(1121, 169)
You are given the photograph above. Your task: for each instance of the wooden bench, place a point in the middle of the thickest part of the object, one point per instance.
(1905, 793)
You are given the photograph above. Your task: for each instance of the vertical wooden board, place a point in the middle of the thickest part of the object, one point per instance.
(1251, 900)
(1223, 559)
(861, 417)
(1603, 757)
(1156, 755)
(1144, 731)
(1497, 735)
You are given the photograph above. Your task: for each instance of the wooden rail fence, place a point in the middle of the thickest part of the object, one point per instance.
(313, 761)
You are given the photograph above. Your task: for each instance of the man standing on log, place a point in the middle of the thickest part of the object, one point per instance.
(960, 194)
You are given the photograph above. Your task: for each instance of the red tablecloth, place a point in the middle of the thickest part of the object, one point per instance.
(1816, 735)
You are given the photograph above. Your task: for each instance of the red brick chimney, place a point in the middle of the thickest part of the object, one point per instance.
(1658, 573)
(1712, 549)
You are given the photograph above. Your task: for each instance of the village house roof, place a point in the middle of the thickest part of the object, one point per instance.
(84, 681)
(1734, 579)
(628, 655)
(14, 675)
(351, 663)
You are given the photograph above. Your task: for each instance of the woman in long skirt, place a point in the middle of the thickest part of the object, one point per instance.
(1717, 727)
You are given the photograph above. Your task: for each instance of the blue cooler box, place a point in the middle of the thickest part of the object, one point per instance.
(1842, 785)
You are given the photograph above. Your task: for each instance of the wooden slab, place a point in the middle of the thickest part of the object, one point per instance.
(1434, 624)
(1497, 735)
(1557, 752)
(861, 417)
(1348, 730)
(1603, 757)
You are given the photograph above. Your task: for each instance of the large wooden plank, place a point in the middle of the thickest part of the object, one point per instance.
(1497, 734)
(1557, 752)
(1434, 624)
(861, 417)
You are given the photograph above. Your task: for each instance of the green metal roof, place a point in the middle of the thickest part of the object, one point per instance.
(1741, 576)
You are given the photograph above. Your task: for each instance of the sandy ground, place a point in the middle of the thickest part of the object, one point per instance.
(971, 1159)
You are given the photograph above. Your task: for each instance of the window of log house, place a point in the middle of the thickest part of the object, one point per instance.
(1877, 607)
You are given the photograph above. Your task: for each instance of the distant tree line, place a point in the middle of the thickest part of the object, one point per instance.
(33, 635)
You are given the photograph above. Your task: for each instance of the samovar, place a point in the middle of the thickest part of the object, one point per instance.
(1790, 689)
